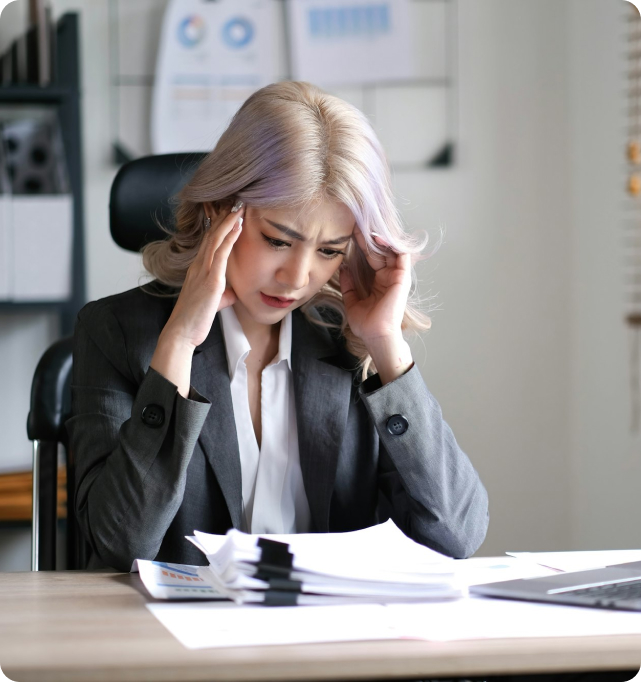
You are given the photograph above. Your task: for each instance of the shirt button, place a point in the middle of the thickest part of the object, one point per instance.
(397, 425)
(153, 415)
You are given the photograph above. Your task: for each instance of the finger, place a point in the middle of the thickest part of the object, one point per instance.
(348, 290)
(389, 253)
(383, 243)
(401, 271)
(404, 264)
(208, 233)
(219, 261)
(376, 261)
(202, 249)
(216, 236)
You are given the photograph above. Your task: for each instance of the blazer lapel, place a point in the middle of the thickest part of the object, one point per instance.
(322, 391)
(210, 377)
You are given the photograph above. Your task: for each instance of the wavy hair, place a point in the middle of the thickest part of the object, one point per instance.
(291, 145)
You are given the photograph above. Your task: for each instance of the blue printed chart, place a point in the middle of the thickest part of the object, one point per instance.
(351, 41)
(175, 581)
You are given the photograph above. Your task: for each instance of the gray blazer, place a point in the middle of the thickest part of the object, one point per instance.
(152, 466)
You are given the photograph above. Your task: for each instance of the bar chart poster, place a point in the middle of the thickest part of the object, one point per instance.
(350, 42)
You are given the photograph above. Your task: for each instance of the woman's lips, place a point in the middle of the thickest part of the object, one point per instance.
(276, 301)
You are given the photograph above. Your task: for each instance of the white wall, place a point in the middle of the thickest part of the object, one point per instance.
(527, 355)
(498, 355)
(606, 455)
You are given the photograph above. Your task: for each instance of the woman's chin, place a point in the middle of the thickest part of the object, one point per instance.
(259, 312)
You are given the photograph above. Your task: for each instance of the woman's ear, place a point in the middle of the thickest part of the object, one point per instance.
(210, 209)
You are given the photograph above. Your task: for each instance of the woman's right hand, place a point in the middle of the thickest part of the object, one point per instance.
(203, 294)
(204, 291)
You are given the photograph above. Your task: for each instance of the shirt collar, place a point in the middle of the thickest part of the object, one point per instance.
(285, 342)
(237, 346)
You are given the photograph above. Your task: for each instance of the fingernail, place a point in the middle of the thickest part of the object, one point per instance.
(381, 242)
(239, 225)
(237, 206)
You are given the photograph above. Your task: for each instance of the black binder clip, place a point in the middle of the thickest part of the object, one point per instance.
(278, 598)
(275, 553)
(274, 567)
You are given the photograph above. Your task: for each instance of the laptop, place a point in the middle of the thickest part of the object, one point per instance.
(612, 587)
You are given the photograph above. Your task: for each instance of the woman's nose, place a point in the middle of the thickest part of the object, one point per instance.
(294, 274)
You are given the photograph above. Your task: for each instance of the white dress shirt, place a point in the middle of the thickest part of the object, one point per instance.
(274, 499)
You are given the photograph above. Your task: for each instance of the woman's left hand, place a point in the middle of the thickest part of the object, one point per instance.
(377, 319)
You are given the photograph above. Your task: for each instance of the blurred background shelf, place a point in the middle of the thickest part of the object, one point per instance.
(63, 94)
(15, 497)
(27, 94)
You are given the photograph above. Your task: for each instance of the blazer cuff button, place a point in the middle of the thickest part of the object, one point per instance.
(397, 425)
(153, 415)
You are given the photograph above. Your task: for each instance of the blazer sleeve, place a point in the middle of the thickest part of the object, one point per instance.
(435, 494)
(130, 471)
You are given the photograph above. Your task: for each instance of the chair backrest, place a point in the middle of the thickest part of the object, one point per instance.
(50, 397)
(141, 196)
(140, 199)
(50, 408)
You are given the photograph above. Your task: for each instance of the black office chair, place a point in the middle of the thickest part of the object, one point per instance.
(139, 199)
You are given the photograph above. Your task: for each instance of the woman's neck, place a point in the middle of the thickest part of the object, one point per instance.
(263, 338)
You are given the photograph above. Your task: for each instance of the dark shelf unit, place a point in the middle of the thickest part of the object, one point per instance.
(64, 95)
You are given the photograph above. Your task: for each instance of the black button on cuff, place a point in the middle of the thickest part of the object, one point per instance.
(397, 425)
(153, 415)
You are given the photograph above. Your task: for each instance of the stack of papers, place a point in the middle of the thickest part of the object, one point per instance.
(376, 565)
(223, 623)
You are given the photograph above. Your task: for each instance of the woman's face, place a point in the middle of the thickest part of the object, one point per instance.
(283, 257)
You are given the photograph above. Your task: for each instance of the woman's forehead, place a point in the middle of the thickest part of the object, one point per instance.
(327, 219)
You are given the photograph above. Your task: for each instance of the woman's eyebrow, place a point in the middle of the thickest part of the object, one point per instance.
(287, 231)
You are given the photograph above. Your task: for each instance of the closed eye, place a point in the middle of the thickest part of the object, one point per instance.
(275, 243)
(331, 253)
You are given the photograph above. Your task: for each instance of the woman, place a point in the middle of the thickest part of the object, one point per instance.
(262, 381)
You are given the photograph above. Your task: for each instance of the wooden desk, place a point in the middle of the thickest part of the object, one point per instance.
(72, 626)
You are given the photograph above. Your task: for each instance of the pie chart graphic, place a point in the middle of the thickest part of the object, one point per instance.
(238, 32)
(191, 31)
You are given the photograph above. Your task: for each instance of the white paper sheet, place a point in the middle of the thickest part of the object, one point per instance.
(204, 625)
(223, 624)
(207, 543)
(579, 561)
(480, 570)
(485, 618)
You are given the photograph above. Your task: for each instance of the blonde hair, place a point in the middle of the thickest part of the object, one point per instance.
(291, 145)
